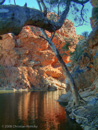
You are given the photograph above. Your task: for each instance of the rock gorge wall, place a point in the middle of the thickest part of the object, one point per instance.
(26, 60)
(85, 59)
(84, 62)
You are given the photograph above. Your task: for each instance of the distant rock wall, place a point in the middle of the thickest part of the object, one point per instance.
(26, 60)
(85, 61)
(85, 58)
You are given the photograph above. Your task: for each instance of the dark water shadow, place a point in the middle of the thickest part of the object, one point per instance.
(34, 110)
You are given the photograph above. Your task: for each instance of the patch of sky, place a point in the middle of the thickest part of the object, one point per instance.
(86, 26)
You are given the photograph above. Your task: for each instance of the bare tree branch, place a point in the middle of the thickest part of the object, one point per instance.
(80, 2)
(14, 2)
(39, 5)
(40, 29)
(44, 7)
(82, 14)
(64, 14)
(80, 25)
(2, 2)
(58, 9)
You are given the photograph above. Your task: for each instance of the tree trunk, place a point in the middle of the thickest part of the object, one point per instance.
(76, 97)
(2, 1)
(74, 90)
(14, 17)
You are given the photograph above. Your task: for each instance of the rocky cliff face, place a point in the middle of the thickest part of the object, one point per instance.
(85, 58)
(84, 65)
(26, 60)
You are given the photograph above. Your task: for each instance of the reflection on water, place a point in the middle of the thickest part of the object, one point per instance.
(38, 110)
(41, 107)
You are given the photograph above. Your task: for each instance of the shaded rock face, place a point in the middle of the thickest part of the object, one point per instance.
(86, 114)
(26, 60)
(85, 61)
(94, 18)
(94, 3)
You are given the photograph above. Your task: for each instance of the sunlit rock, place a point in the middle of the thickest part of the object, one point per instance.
(26, 60)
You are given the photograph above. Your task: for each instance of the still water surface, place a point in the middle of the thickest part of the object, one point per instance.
(34, 110)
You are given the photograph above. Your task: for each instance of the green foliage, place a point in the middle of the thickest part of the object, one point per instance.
(79, 51)
(66, 46)
(53, 17)
(77, 54)
(53, 1)
(2, 74)
(1, 66)
(64, 54)
(95, 13)
(56, 34)
(71, 53)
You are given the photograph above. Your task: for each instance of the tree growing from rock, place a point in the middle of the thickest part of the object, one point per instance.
(14, 17)
(85, 34)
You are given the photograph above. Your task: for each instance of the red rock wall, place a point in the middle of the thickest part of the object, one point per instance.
(26, 60)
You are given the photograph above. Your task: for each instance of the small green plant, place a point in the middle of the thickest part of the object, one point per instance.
(56, 34)
(66, 46)
(78, 53)
(53, 17)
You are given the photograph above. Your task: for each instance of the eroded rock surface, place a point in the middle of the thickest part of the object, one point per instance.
(26, 60)
(84, 69)
(85, 61)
